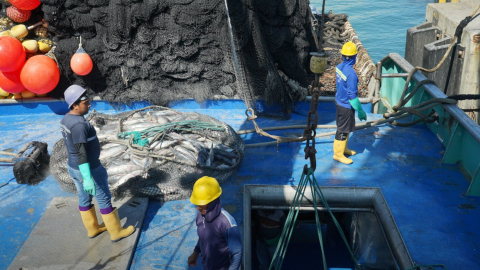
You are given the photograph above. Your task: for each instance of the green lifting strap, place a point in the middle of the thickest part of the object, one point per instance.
(306, 180)
(141, 137)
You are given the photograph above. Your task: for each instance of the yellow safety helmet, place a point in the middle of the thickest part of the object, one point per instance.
(349, 49)
(205, 190)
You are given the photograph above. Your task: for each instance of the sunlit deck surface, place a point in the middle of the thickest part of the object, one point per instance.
(439, 225)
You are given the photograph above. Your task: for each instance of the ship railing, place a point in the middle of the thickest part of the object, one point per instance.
(459, 134)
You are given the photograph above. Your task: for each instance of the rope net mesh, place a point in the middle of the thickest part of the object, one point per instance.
(179, 152)
(165, 50)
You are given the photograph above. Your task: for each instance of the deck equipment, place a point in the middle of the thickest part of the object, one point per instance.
(30, 164)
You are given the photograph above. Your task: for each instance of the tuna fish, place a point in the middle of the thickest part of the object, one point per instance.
(109, 145)
(162, 144)
(125, 178)
(142, 162)
(112, 152)
(210, 158)
(122, 169)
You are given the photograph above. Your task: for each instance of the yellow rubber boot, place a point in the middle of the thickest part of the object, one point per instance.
(347, 151)
(90, 222)
(338, 153)
(112, 221)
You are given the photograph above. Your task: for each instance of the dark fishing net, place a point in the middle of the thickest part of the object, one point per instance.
(174, 151)
(33, 166)
(166, 50)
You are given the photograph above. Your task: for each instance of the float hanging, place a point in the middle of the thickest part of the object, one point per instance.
(81, 63)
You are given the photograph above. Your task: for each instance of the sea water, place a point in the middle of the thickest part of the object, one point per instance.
(381, 25)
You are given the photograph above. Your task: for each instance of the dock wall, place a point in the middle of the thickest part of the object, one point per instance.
(427, 43)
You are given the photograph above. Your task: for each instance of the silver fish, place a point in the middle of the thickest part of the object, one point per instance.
(198, 144)
(123, 169)
(176, 136)
(159, 119)
(112, 152)
(189, 146)
(125, 178)
(179, 118)
(164, 152)
(109, 127)
(109, 145)
(136, 115)
(223, 158)
(134, 121)
(192, 136)
(181, 156)
(223, 166)
(114, 178)
(160, 162)
(186, 152)
(163, 113)
(227, 154)
(142, 162)
(211, 154)
(107, 136)
(162, 144)
(141, 126)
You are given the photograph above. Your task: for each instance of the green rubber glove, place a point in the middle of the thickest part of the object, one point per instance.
(88, 184)
(358, 107)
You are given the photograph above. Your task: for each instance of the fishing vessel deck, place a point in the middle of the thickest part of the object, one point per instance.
(439, 225)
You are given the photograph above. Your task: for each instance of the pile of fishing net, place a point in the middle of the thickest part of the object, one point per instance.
(334, 34)
(157, 152)
(165, 50)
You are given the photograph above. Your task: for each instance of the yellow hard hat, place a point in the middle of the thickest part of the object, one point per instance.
(349, 49)
(205, 190)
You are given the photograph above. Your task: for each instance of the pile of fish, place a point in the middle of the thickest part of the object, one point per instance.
(200, 150)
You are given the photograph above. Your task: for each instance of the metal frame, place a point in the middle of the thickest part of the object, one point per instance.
(338, 198)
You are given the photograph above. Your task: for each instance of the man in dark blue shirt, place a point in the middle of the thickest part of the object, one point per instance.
(346, 102)
(88, 174)
(218, 235)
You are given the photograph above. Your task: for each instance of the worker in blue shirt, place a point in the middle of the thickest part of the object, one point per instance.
(88, 174)
(346, 103)
(219, 240)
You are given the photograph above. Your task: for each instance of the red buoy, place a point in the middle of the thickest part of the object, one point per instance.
(40, 74)
(10, 81)
(18, 15)
(12, 54)
(81, 63)
(25, 4)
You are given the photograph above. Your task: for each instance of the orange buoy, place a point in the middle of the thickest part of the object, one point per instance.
(18, 15)
(81, 63)
(40, 74)
(10, 81)
(12, 54)
(27, 94)
(25, 4)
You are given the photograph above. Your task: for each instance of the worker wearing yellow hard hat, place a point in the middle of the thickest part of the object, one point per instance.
(219, 240)
(346, 103)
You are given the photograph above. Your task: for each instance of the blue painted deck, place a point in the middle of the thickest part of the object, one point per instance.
(438, 224)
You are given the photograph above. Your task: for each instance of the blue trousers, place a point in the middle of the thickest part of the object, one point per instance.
(100, 177)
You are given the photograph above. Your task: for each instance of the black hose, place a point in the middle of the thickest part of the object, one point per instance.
(465, 97)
